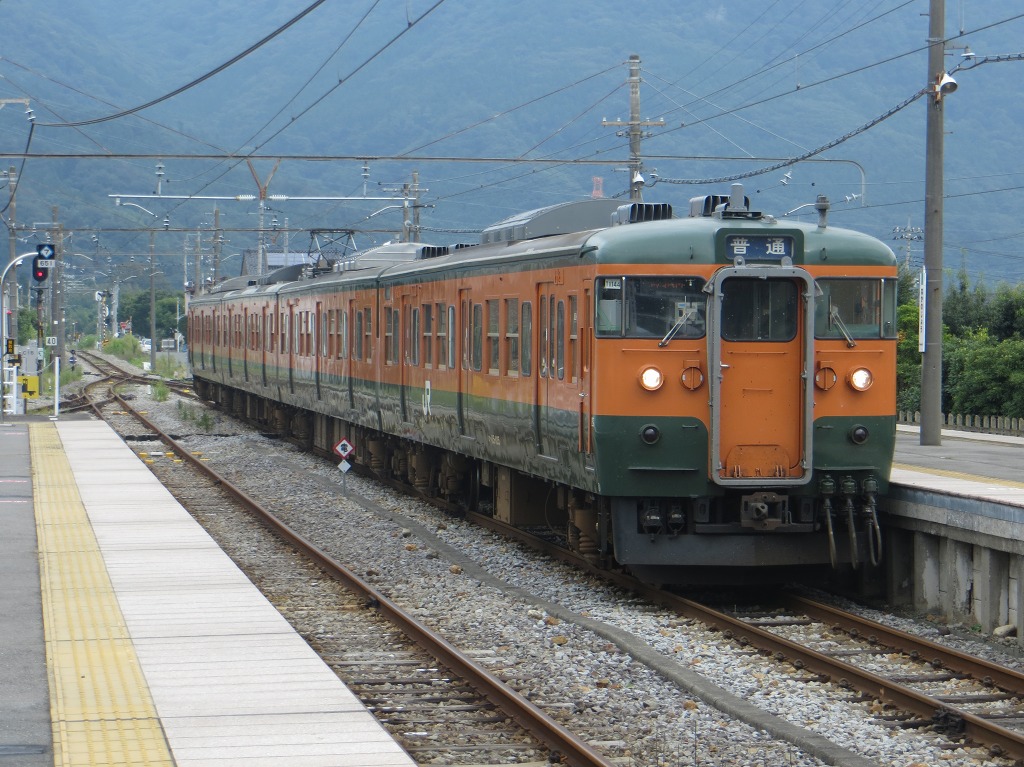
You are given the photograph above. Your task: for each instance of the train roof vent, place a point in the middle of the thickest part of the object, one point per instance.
(433, 251)
(734, 205)
(637, 212)
(563, 218)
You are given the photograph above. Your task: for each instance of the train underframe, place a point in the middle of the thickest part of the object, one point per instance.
(732, 539)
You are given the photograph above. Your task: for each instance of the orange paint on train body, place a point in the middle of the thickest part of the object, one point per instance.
(697, 391)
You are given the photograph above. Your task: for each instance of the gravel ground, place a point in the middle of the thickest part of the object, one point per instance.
(639, 680)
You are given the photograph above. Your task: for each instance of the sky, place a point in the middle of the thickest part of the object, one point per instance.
(730, 89)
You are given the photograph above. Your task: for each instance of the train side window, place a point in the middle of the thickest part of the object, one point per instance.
(452, 339)
(512, 336)
(466, 326)
(478, 336)
(573, 339)
(493, 360)
(526, 336)
(560, 341)
(389, 335)
(413, 348)
(428, 335)
(357, 353)
(442, 336)
(343, 334)
(325, 337)
(543, 320)
(368, 331)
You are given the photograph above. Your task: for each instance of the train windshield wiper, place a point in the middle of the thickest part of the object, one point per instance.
(683, 319)
(833, 317)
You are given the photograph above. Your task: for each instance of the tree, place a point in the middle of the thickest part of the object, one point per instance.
(908, 360)
(986, 375)
(965, 309)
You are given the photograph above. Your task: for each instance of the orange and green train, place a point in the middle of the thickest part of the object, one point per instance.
(706, 399)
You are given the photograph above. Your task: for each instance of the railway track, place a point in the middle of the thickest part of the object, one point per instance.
(921, 684)
(914, 684)
(435, 698)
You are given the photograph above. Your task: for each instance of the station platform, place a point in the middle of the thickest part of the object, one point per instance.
(970, 464)
(127, 637)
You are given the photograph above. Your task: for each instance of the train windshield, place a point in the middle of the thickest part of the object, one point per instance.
(650, 307)
(861, 308)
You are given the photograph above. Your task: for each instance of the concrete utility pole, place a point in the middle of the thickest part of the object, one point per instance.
(939, 85)
(635, 132)
(11, 328)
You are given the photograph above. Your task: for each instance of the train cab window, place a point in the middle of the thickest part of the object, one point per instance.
(755, 309)
(855, 308)
(650, 307)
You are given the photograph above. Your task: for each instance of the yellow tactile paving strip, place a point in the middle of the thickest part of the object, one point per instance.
(100, 705)
(959, 475)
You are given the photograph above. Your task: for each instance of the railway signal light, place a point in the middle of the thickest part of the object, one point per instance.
(43, 261)
(39, 272)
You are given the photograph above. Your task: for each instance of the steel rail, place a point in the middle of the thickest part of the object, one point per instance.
(1000, 740)
(917, 647)
(559, 740)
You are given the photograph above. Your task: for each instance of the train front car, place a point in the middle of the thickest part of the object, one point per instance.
(744, 394)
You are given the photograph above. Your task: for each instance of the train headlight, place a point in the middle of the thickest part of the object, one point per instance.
(651, 378)
(860, 379)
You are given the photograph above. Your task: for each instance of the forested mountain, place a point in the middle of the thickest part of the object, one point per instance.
(406, 83)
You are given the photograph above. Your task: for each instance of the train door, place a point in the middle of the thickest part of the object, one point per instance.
(761, 345)
(290, 338)
(580, 333)
(464, 330)
(407, 347)
(214, 338)
(546, 366)
(229, 342)
(264, 340)
(319, 345)
(350, 325)
(244, 346)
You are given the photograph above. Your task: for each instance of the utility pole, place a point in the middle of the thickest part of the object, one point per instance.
(939, 85)
(152, 300)
(635, 132)
(11, 328)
